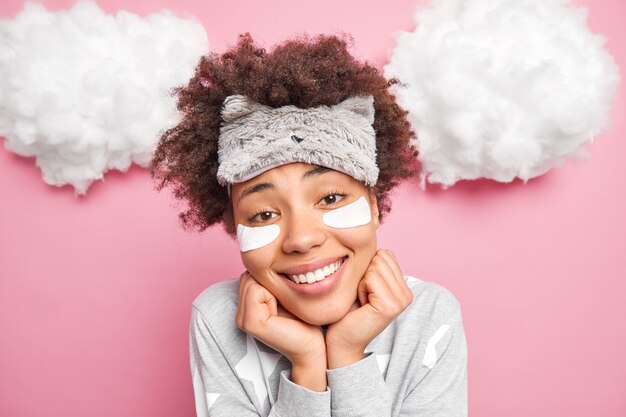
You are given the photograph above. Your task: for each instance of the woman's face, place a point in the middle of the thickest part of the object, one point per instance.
(295, 198)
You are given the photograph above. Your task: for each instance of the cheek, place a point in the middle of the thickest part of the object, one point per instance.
(257, 246)
(353, 227)
(259, 260)
(361, 240)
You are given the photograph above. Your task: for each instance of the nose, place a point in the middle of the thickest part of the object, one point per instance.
(303, 232)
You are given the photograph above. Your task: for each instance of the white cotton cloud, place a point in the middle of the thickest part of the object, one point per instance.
(502, 89)
(85, 92)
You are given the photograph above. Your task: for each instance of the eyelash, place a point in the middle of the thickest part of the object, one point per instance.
(335, 192)
(262, 211)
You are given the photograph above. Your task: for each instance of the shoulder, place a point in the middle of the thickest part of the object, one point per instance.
(217, 305)
(426, 322)
(433, 318)
(221, 295)
(432, 300)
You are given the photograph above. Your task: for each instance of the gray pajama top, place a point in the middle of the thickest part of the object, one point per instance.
(416, 367)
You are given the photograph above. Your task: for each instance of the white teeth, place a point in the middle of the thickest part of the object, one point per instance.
(317, 275)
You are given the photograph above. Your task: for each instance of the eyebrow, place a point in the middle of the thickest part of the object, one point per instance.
(319, 170)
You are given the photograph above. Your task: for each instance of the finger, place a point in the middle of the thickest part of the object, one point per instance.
(248, 298)
(241, 305)
(393, 264)
(361, 292)
(372, 311)
(368, 285)
(375, 289)
(388, 274)
(270, 301)
(260, 303)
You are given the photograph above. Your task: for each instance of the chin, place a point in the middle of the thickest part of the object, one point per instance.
(329, 316)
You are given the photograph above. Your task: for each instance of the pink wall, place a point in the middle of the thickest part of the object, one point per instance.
(95, 292)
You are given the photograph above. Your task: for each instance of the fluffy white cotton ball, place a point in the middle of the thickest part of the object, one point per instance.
(85, 92)
(501, 88)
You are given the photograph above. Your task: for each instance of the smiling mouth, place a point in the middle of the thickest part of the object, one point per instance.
(317, 275)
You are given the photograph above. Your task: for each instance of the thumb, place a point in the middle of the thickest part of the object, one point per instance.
(362, 292)
(264, 302)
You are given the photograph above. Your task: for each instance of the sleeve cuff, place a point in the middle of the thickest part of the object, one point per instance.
(297, 401)
(358, 384)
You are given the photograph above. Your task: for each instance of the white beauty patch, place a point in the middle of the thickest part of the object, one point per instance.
(256, 237)
(354, 214)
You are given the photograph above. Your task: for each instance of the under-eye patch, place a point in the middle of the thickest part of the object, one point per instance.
(354, 214)
(250, 238)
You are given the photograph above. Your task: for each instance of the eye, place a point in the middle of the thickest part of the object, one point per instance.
(331, 198)
(262, 216)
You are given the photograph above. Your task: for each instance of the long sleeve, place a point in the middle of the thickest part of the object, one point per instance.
(428, 375)
(219, 391)
(443, 390)
(359, 390)
(416, 367)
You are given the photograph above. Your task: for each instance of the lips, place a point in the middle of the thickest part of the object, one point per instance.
(317, 287)
(310, 267)
(317, 274)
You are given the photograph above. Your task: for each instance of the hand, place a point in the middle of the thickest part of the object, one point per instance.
(259, 314)
(382, 294)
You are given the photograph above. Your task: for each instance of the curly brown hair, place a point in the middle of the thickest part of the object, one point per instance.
(302, 71)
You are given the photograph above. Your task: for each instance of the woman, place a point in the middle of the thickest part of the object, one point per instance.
(295, 152)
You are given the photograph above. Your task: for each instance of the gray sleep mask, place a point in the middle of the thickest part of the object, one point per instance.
(255, 138)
